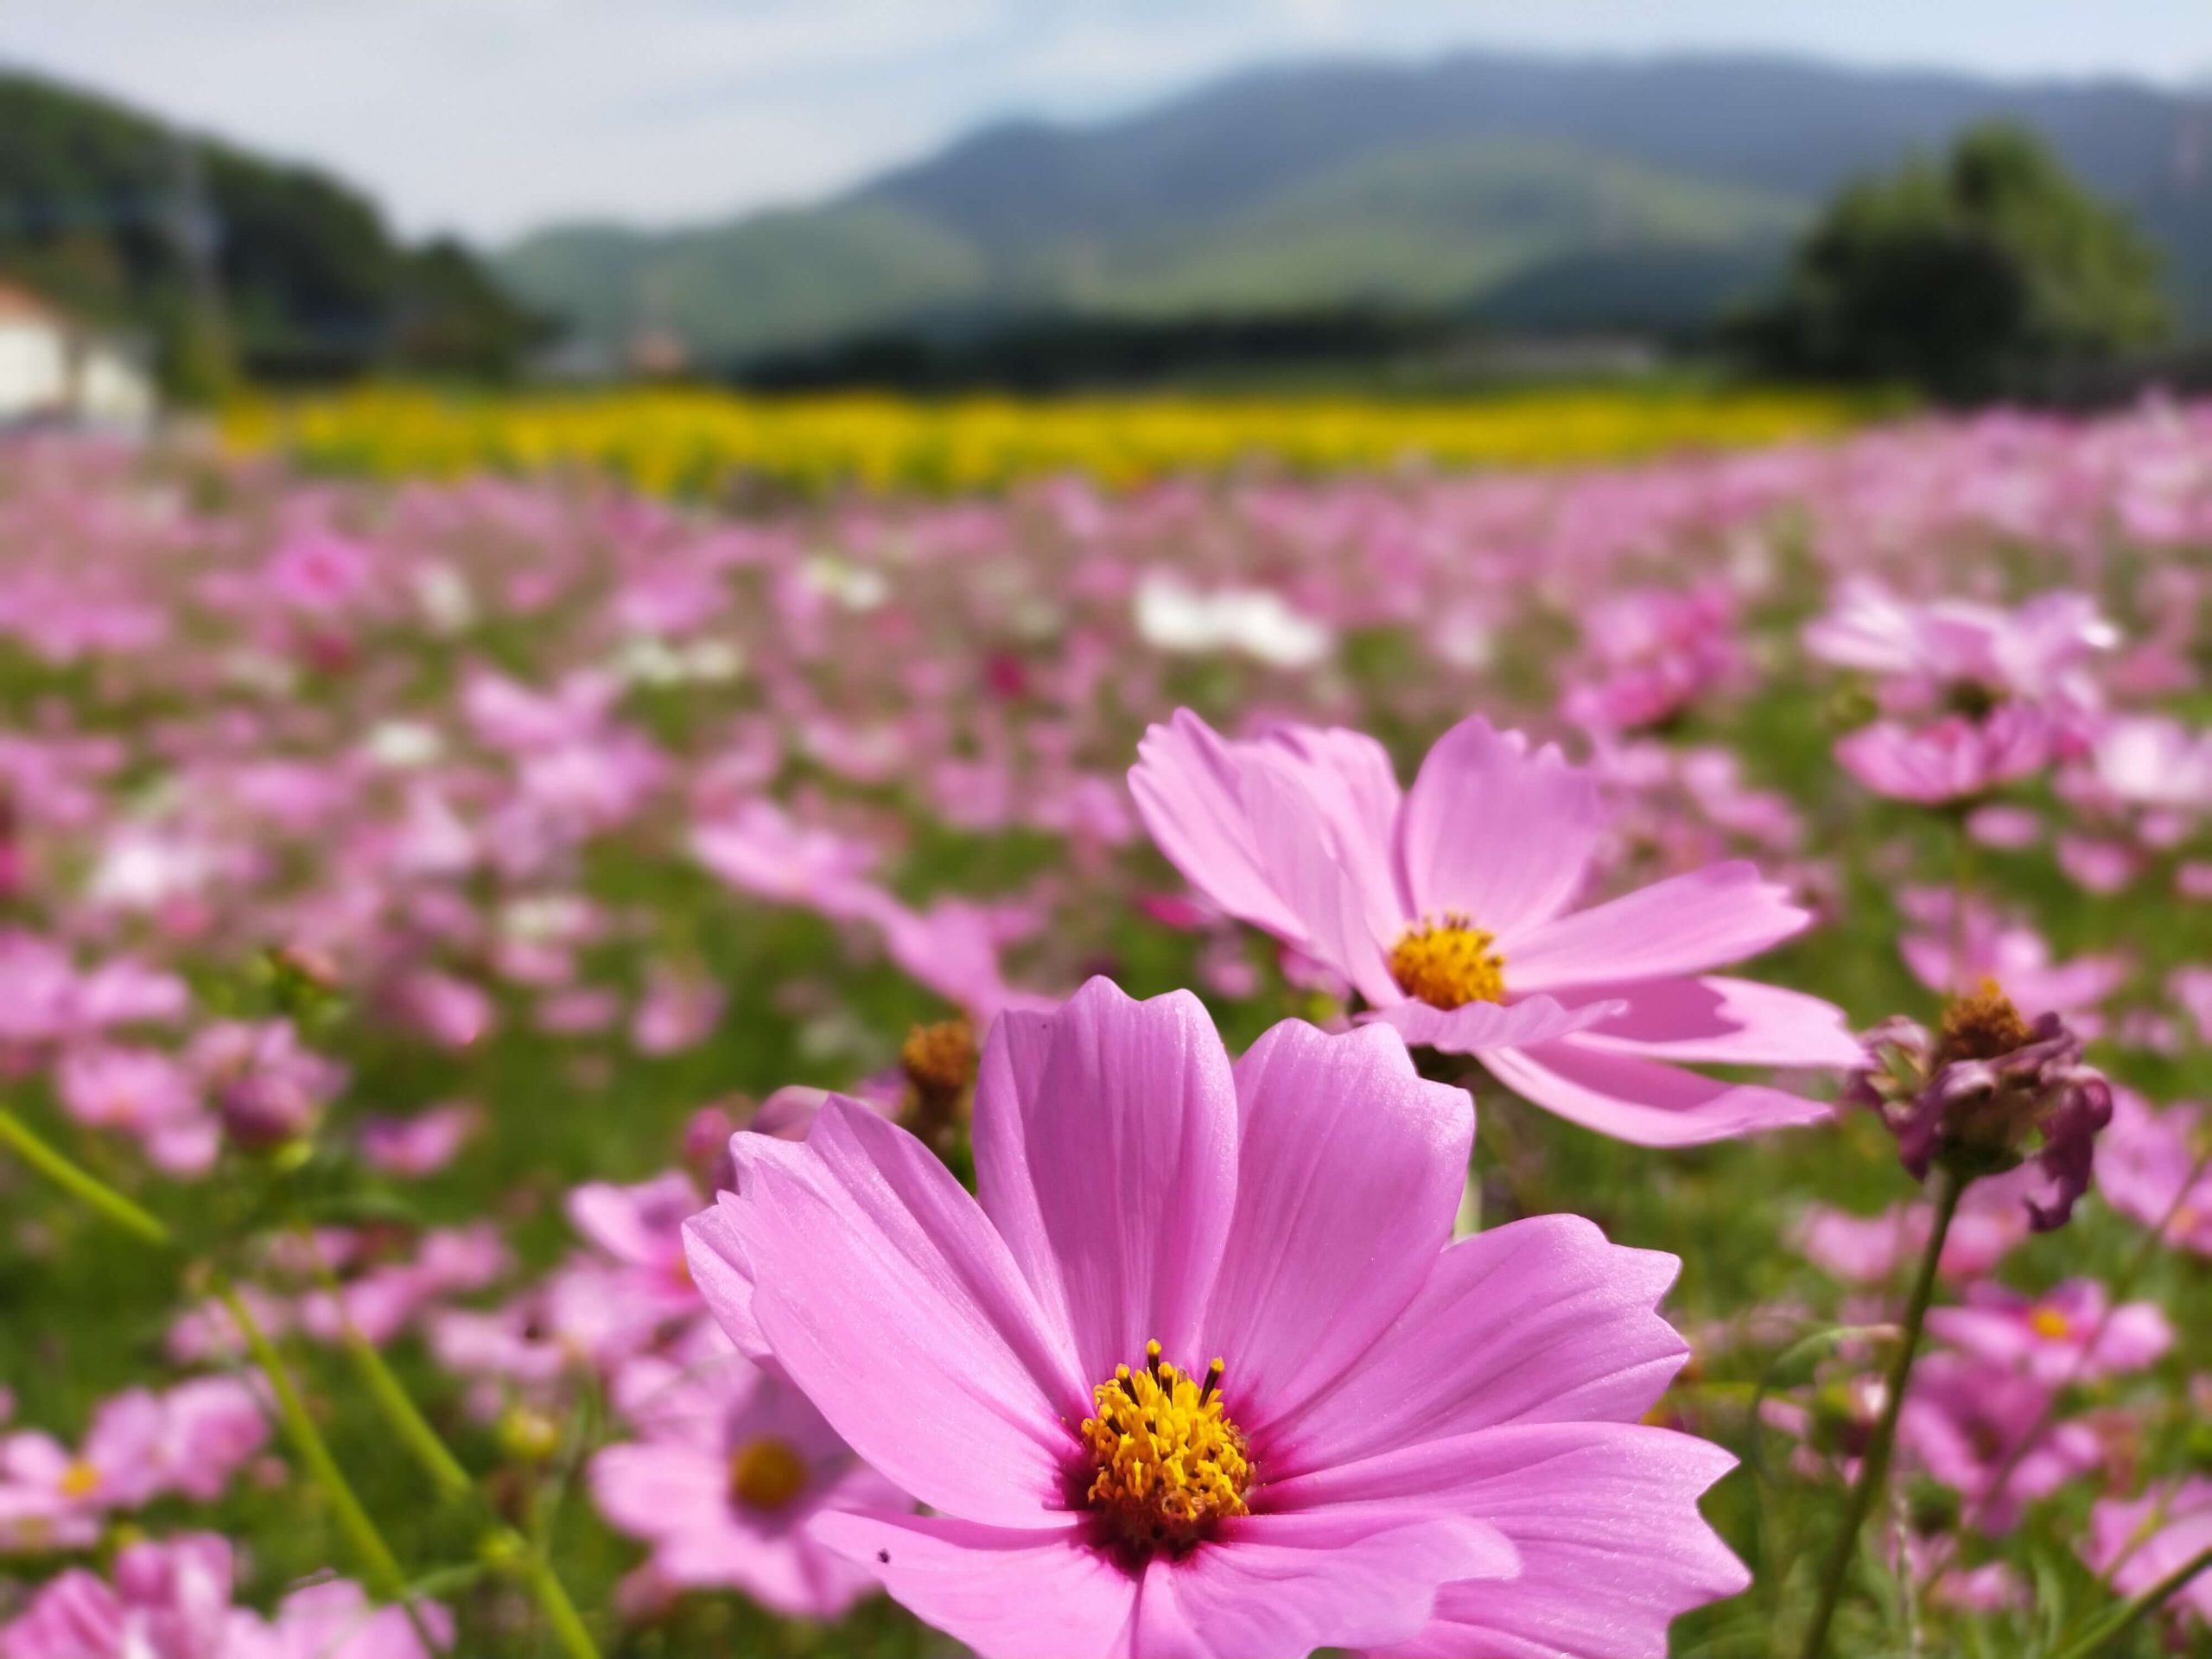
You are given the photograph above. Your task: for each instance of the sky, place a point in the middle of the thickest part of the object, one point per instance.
(489, 117)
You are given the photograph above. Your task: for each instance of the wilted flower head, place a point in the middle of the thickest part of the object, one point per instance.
(1984, 1092)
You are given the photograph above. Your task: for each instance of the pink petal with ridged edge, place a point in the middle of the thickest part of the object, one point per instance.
(715, 1255)
(1683, 924)
(1495, 833)
(1280, 1586)
(1606, 1518)
(1007, 1594)
(1349, 1174)
(1188, 785)
(1644, 1102)
(1132, 1149)
(1541, 1320)
(887, 1296)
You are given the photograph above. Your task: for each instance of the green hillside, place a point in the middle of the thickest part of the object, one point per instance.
(223, 260)
(780, 279)
(1566, 194)
(1429, 225)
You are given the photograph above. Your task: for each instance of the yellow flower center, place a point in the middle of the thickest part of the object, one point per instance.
(2049, 1324)
(766, 1474)
(80, 1479)
(1169, 1462)
(1449, 965)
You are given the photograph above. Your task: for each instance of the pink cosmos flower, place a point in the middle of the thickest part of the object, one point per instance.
(732, 1467)
(422, 1144)
(1953, 759)
(1963, 1423)
(2048, 1336)
(269, 1086)
(172, 1601)
(640, 1282)
(1447, 907)
(1955, 954)
(1992, 1218)
(678, 1010)
(1650, 652)
(145, 1093)
(2040, 651)
(2152, 1168)
(2153, 761)
(2142, 1541)
(1200, 1370)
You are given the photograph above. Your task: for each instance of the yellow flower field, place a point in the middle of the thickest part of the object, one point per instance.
(685, 441)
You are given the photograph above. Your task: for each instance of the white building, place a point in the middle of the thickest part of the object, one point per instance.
(54, 372)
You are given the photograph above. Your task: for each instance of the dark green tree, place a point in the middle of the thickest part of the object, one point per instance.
(1985, 274)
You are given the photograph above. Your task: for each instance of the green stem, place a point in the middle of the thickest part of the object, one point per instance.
(560, 1612)
(390, 1394)
(446, 1472)
(88, 1189)
(2118, 1621)
(381, 1565)
(1874, 1468)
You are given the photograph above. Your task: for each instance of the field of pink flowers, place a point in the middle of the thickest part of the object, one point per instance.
(1657, 1106)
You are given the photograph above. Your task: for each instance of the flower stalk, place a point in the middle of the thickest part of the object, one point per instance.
(381, 1565)
(2116, 1622)
(1874, 1468)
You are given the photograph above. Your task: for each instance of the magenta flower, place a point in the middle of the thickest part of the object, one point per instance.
(172, 1601)
(2049, 1337)
(1953, 759)
(2040, 652)
(1448, 908)
(732, 1467)
(2154, 1167)
(1967, 1423)
(2142, 1541)
(1199, 1370)
(1954, 953)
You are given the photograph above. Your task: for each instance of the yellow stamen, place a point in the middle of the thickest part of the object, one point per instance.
(80, 1479)
(1983, 1026)
(1169, 1462)
(766, 1474)
(2049, 1324)
(1448, 965)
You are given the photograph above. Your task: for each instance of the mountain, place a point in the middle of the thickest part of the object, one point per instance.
(203, 248)
(1562, 193)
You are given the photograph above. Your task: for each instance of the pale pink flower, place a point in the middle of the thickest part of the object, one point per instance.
(732, 1468)
(2141, 1541)
(2048, 1336)
(1953, 759)
(1448, 907)
(2153, 1168)
(422, 1144)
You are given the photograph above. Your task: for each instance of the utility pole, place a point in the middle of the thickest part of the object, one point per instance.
(205, 366)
